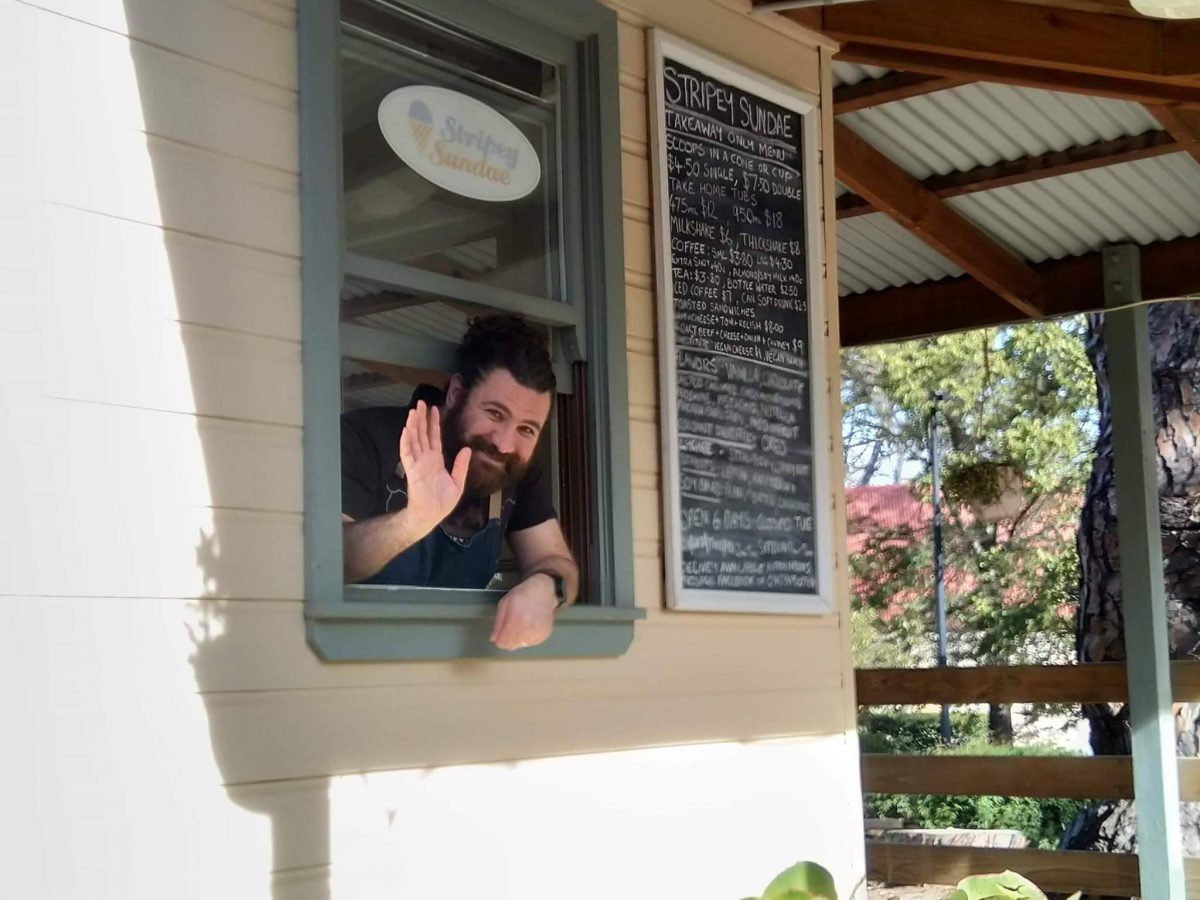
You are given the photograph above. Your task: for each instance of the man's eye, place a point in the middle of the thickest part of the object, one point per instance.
(528, 432)
(494, 415)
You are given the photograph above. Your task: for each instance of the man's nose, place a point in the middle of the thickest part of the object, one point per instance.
(504, 437)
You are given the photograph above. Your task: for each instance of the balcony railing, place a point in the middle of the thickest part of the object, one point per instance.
(1099, 777)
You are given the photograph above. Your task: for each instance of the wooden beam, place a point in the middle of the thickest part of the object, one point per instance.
(1032, 168)
(891, 190)
(1113, 874)
(1072, 777)
(1149, 91)
(382, 302)
(1088, 683)
(1181, 124)
(1170, 269)
(1018, 33)
(1105, 7)
(894, 86)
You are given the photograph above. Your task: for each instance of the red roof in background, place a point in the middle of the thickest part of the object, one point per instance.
(884, 507)
(901, 518)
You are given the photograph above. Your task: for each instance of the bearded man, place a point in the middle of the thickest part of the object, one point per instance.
(431, 490)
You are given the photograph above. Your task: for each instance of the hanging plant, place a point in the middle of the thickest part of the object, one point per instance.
(992, 490)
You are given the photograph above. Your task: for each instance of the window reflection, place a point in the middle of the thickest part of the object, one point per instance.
(392, 212)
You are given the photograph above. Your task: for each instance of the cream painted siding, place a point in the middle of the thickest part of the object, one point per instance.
(171, 734)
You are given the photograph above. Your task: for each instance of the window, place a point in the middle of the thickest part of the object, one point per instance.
(394, 265)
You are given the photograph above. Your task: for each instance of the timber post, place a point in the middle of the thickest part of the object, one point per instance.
(1155, 773)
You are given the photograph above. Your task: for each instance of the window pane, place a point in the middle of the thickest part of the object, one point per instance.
(393, 211)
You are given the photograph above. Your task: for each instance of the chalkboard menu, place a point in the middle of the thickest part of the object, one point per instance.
(741, 337)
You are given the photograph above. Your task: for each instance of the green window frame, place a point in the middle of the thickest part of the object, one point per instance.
(359, 622)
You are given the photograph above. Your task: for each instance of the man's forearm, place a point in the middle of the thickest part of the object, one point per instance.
(563, 567)
(369, 545)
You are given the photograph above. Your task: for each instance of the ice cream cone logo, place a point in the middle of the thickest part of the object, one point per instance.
(421, 122)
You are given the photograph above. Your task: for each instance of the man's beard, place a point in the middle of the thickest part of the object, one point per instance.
(482, 479)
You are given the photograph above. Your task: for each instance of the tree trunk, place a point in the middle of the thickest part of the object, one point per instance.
(1175, 369)
(1000, 724)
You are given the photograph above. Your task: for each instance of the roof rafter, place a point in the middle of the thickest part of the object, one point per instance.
(1183, 125)
(893, 86)
(1032, 168)
(890, 189)
(1146, 91)
(1108, 7)
(1170, 269)
(1021, 33)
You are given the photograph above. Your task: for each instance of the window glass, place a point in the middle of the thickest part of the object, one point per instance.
(393, 211)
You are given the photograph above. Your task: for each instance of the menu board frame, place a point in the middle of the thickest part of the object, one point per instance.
(661, 46)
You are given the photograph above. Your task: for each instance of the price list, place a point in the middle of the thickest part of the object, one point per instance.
(734, 178)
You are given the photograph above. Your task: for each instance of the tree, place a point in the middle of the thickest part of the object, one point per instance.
(1022, 396)
(1175, 369)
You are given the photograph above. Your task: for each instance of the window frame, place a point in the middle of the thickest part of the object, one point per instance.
(361, 622)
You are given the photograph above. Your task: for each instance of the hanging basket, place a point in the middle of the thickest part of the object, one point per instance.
(992, 491)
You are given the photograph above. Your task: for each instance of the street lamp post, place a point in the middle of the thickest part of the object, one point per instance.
(939, 589)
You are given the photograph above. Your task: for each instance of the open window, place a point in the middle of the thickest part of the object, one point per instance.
(397, 258)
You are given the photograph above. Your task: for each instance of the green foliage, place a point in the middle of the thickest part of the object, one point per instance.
(803, 881)
(810, 881)
(1004, 885)
(867, 646)
(1021, 396)
(911, 732)
(1042, 821)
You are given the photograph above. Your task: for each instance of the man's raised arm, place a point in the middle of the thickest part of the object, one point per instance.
(433, 492)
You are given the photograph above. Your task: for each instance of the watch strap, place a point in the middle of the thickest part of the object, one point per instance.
(560, 586)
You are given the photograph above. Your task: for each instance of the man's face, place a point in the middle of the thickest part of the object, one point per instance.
(500, 420)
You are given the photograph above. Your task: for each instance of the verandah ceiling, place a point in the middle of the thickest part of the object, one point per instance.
(986, 150)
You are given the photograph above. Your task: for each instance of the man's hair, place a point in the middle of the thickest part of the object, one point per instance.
(506, 342)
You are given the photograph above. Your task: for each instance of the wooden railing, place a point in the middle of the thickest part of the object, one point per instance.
(1106, 778)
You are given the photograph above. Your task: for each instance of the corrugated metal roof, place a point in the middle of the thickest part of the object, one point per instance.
(367, 394)
(1144, 201)
(850, 73)
(875, 253)
(982, 124)
(435, 320)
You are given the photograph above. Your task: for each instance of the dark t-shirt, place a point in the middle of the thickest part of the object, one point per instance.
(371, 456)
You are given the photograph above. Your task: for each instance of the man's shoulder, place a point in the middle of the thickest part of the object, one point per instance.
(389, 420)
(371, 418)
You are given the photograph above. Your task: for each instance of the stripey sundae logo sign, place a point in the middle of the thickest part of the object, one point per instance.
(458, 143)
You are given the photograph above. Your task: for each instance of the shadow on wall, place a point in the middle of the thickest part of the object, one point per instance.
(219, 109)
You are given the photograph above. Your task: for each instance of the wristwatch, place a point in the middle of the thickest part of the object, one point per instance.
(560, 591)
(560, 587)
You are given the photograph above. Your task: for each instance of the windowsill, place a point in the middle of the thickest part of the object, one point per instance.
(380, 623)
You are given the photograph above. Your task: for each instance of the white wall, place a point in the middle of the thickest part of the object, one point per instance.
(170, 733)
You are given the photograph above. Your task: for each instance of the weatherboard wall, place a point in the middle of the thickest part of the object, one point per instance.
(178, 736)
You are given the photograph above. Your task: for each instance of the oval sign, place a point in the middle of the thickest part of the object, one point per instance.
(458, 143)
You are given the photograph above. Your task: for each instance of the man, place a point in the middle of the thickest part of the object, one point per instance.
(428, 492)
